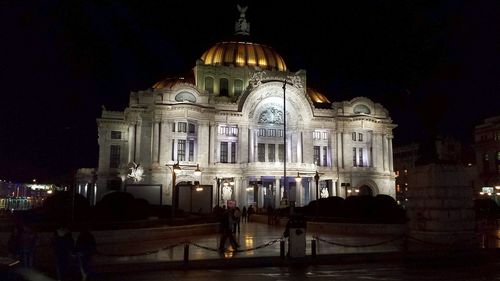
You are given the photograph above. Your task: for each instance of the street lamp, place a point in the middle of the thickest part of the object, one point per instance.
(316, 179)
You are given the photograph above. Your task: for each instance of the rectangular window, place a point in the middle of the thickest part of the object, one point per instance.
(262, 132)
(271, 153)
(234, 131)
(223, 152)
(191, 150)
(191, 128)
(360, 137)
(173, 150)
(261, 152)
(233, 152)
(325, 135)
(354, 160)
(226, 131)
(316, 135)
(114, 156)
(280, 133)
(116, 135)
(271, 132)
(181, 150)
(316, 155)
(221, 130)
(173, 127)
(361, 157)
(325, 154)
(182, 127)
(281, 152)
(354, 136)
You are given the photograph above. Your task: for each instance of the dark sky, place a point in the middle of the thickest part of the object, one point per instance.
(434, 65)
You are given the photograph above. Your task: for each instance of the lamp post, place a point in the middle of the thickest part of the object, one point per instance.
(316, 179)
(285, 180)
(218, 191)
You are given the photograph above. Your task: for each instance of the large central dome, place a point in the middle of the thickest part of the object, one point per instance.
(244, 54)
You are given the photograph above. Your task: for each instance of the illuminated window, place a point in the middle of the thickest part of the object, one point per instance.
(281, 152)
(361, 157)
(181, 150)
(325, 154)
(223, 152)
(182, 127)
(316, 155)
(209, 84)
(325, 135)
(271, 132)
(271, 152)
(191, 150)
(354, 160)
(238, 86)
(262, 132)
(233, 152)
(261, 150)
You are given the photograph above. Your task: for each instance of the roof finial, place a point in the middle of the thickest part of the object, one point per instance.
(242, 27)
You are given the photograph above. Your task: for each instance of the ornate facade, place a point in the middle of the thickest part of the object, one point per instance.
(244, 118)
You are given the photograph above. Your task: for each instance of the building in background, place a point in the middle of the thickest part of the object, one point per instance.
(228, 119)
(487, 153)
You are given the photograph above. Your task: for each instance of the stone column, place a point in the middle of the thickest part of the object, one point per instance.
(312, 188)
(385, 152)
(138, 133)
(299, 195)
(277, 193)
(340, 150)
(299, 147)
(260, 197)
(237, 191)
(308, 147)
(131, 141)
(390, 156)
(244, 192)
(155, 143)
(202, 147)
(165, 141)
(243, 144)
(213, 139)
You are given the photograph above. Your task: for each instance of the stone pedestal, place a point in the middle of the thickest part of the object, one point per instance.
(440, 208)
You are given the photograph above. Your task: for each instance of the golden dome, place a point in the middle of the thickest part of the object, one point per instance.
(244, 54)
(318, 98)
(170, 82)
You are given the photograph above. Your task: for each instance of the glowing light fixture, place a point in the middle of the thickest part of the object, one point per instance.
(199, 188)
(298, 178)
(197, 172)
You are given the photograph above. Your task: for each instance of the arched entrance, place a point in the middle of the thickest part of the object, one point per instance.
(365, 190)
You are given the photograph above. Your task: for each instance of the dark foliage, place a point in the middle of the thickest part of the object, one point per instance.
(121, 206)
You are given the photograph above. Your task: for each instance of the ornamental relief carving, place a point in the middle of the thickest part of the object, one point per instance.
(271, 115)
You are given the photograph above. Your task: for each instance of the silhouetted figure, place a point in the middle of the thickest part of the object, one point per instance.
(237, 217)
(63, 249)
(27, 245)
(226, 229)
(244, 214)
(85, 248)
(14, 242)
(250, 212)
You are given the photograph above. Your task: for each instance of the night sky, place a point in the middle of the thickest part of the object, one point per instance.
(435, 65)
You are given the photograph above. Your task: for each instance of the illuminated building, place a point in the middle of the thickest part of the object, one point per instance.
(228, 116)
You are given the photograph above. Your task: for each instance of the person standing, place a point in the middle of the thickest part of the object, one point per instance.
(237, 217)
(250, 212)
(27, 243)
(85, 248)
(226, 230)
(63, 249)
(244, 214)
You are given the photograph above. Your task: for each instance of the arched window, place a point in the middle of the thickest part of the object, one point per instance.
(224, 87)
(209, 84)
(361, 108)
(238, 87)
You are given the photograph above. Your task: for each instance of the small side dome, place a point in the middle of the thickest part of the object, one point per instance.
(171, 82)
(242, 54)
(319, 100)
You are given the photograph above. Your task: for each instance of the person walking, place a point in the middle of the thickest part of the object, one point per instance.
(85, 249)
(244, 214)
(226, 230)
(63, 249)
(250, 212)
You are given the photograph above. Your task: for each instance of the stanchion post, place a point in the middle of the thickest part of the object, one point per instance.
(313, 248)
(282, 249)
(186, 253)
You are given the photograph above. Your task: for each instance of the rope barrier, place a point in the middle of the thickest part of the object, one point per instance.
(359, 246)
